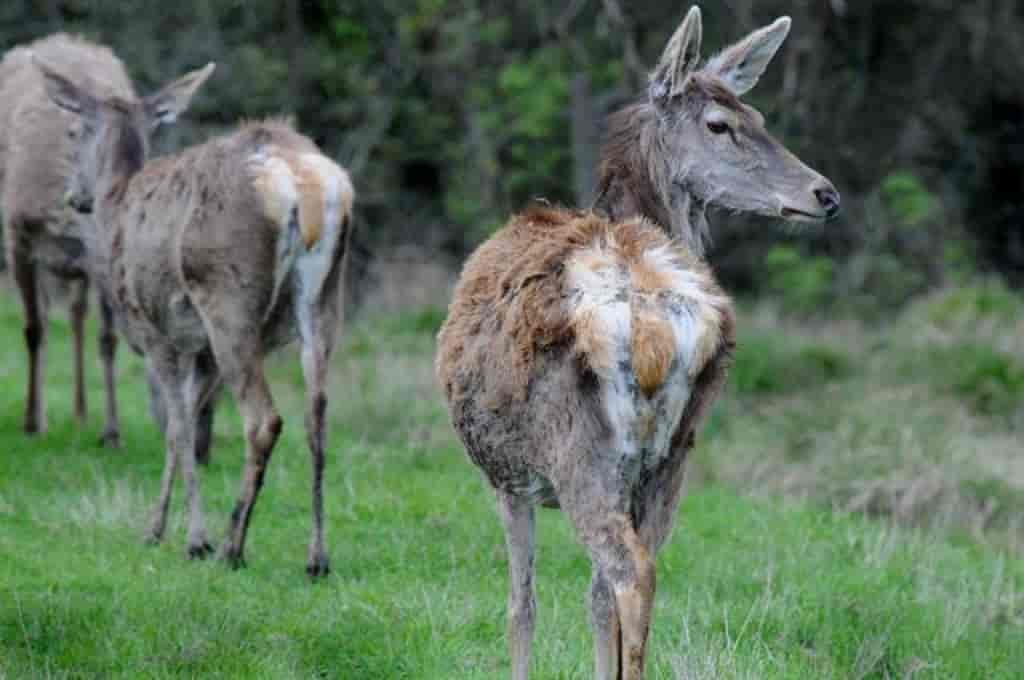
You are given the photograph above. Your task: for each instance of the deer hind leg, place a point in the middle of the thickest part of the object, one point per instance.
(604, 619)
(79, 308)
(241, 364)
(108, 351)
(317, 299)
(517, 516)
(624, 575)
(315, 355)
(33, 300)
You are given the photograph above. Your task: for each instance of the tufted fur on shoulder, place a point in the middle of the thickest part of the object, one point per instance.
(554, 277)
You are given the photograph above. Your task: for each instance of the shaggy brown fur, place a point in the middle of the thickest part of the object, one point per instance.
(552, 399)
(513, 289)
(527, 370)
(625, 186)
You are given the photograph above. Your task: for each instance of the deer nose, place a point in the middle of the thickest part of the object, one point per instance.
(828, 197)
(81, 205)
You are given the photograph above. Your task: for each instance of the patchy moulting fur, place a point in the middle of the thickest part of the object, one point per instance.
(636, 308)
(582, 350)
(305, 195)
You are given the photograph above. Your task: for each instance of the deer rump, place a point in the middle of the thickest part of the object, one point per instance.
(564, 312)
(307, 196)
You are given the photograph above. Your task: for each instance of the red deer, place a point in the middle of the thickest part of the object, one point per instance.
(582, 350)
(213, 257)
(43, 237)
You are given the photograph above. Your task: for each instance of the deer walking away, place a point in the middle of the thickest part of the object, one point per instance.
(583, 349)
(46, 238)
(212, 258)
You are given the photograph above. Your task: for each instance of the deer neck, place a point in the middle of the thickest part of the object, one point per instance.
(124, 157)
(635, 179)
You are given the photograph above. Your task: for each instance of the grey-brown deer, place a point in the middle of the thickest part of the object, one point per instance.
(582, 349)
(212, 258)
(43, 236)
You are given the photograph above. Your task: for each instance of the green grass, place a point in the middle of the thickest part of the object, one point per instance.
(918, 418)
(748, 587)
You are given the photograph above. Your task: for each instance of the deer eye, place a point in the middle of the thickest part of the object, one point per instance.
(718, 127)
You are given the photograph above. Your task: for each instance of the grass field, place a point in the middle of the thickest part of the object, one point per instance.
(855, 512)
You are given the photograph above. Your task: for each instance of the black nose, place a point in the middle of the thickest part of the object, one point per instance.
(829, 200)
(82, 205)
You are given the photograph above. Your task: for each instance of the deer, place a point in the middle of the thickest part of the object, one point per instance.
(213, 257)
(582, 349)
(43, 237)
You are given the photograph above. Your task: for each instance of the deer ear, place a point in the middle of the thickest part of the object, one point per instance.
(680, 58)
(165, 106)
(64, 93)
(741, 66)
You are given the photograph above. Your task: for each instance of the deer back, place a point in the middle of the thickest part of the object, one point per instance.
(569, 332)
(228, 214)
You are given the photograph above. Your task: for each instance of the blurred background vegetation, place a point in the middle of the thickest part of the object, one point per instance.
(879, 368)
(451, 114)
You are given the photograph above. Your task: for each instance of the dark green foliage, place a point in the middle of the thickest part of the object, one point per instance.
(973, 303)
(992, 382)
(424, 321)
(768, 364)
(454, 114)
(907, 199)
(802, 284)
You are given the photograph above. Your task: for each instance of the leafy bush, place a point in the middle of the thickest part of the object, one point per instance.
(906, 198)
(988, 299)
(802, 283)
(991, 382)
(766, 364)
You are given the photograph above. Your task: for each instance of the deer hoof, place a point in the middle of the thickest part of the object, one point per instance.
(34, 425)
(232, 557)
(199, 551)
(153, 537)
(318, 567)
(110, 439)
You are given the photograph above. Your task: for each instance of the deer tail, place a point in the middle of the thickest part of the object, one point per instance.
(309, 198)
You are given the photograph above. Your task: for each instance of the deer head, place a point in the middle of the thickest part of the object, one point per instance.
(714, 149)
(115, 133)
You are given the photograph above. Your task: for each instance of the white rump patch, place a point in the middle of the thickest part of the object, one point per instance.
(697, 326)
(276, 185)
(601, 297)
(314, 264)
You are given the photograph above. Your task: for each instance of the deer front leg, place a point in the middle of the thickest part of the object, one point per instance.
(165, 374)
(108, 351)
(204, 424)
(517, 516)
(26, 276)
(182, 386)
(204, 428)
(79, 308)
